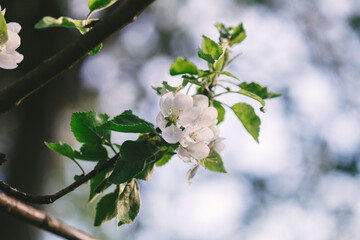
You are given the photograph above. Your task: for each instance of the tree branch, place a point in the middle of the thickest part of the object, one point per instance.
(125, 13)
(46, 199)
(40, 219)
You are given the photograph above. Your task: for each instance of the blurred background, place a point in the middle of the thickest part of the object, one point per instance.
(302, 180)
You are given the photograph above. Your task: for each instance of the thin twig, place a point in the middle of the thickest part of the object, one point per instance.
(125, 13)
(40, 219)
(46, 199)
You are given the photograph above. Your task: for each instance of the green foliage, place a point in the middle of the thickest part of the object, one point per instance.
(96, 49)
(213, 162)
(182, 66)
(134, 156)
(86, 127)
(166, 158)
(123, 203)
(96, 181)
(49, 22)
(248, 118)
(147, 172)
(221, 111)
(128, 122)
(128, 205)
(259, 90)
(210, 50)
(62, 148)
(3, 30)
(232, 35)
(65, 150)
(91, 152)
(238, 34)
(106, 208)
(97, 5)
(253, 96)
(138, 159)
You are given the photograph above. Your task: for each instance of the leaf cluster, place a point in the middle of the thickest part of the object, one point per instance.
(136, 160)
(209, 81)
(83, 26)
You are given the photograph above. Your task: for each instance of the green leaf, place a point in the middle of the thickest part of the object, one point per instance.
(212, 48)
(48, 22)
(128, 205)
(86, 127)
(259, 90)
(96, 181)
(91, 152)
(229, 75)
(96, 49)
(62, 148)
(3, 30)
(206, 57)
(253, 96)
(166, 158)
(130, 123)
(213, 162)
(221, 111)
(182, 66)
(97, 5)
(134, 156)
(248, 118)
(168, 87)
(106, 209)
(147, 172)
(238, 34)
(222, 62)
(224, 32)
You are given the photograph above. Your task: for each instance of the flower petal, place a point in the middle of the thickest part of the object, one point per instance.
(189, 116)
(215, 130)
(172, 134)
(201, 101)
(14, 27)
(160, 121)
(184, 154)
(13, 42)
(199, 150)
(166, 102)
(191, 173)
(9, 61)
(219, 146)
(182, 102)
(208, 117)
(203, 134)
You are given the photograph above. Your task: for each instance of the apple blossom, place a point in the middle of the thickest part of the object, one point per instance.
(9, 57)
(176, 108)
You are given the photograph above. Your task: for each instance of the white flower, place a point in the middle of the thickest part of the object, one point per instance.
(9, 57)
(176, 108)
(208, 115)
(216, 143)
(192, 135)
(193, 152)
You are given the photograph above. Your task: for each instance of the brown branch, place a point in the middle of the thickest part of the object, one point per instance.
(125, 13)
(46, 199)
(40, 219)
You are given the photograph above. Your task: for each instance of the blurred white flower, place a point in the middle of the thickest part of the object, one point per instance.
(9, 57)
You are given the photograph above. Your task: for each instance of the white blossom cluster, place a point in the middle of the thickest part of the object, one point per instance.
(191, 122)
(9, 57)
